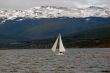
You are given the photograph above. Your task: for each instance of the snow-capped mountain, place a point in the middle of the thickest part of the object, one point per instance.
(53, 12)
(49, 21)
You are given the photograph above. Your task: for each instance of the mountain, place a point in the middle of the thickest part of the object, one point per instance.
(36, 28)
(46, 22)
(54, 12)
(96, 37)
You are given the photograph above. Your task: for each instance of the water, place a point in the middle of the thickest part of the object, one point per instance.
(94, 60)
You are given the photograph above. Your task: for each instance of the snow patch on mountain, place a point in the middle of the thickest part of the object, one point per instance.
(54, 12)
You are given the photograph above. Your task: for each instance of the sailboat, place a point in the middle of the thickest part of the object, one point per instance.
(58, 43)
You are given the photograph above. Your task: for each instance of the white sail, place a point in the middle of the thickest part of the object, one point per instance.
(61, 50)
(61, 46)
(55, 45)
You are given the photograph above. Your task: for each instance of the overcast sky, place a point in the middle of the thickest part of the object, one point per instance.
(25, 4)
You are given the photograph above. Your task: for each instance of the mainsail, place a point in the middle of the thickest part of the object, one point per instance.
(55, 45)
(60, 44)
(61, 47)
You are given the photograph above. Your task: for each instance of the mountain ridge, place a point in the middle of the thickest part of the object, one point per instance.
(24, 27)
(54, 12)
(38, 28)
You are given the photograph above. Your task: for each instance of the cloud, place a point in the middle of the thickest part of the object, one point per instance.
(25, 4)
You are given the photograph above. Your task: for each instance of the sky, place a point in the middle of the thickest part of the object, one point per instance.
(26, 4)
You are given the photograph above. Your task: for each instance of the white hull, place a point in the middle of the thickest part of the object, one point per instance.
(60, 54)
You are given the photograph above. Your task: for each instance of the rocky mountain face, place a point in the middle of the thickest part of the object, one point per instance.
(53, 12)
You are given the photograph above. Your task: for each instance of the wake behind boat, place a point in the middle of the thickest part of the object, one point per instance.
(58, 47)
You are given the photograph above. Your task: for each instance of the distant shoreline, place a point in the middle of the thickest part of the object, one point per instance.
(47, 48)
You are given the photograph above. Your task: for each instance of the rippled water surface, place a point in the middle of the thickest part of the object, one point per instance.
(77, 60)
